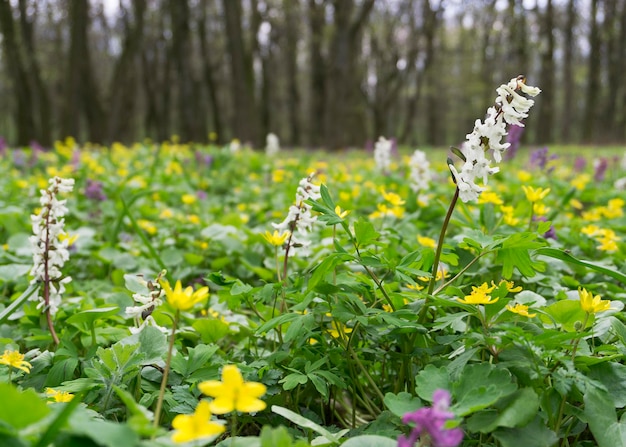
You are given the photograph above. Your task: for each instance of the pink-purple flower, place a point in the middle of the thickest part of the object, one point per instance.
(429, 424)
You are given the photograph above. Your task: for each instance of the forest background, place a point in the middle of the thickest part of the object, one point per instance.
(318, 73)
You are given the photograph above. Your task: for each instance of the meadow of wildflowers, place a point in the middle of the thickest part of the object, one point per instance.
(222, 296)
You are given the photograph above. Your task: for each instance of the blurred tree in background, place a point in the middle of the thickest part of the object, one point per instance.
(318, 73)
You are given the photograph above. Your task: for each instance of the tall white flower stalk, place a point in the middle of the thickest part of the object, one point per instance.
(145, 303)
(382, 154)
(299, 221)
(510, 107)
(419, 175)
(50, 249)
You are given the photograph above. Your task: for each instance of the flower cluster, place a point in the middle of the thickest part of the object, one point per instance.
(382, 154)
(272, 145)
(146, 303)
(230, 394)
(430, 424)
(50, 248)
(510, 107)
(299, 221)
(419, 171)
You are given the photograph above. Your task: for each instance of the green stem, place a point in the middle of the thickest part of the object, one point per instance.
(166, 371)
(435, 269)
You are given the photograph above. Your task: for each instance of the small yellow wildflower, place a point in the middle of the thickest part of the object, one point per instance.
(278, 175)
(520, 309)
(188, 199)
(338, 329)
(479, 295)
(490, 197)
(232, 393)
(340, 213)
(539, 209)
(194, 219)
(590, 230)
(58, 396)
(576, 204)
(147, 226)
(426, 242)
(592, 304)
(184, 299)
(510, 286)
(415, 287)
(14, 359)
(345, 196)
(580, 181)
(392, 198)
(190, 427)
(535, 194)
(276, 239)
(70, 239)
(166, 214)
(524, 176)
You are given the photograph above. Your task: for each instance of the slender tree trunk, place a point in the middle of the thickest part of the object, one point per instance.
(593, 75)
(122, 97)
(246, 118)
(569, 92)
(318, 75)
(291, 55)
(24, 122)
(208, 69)
(41, 99)
(545, 119)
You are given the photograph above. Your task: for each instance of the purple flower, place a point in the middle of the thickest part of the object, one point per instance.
(94, 191)
(600, 166)
(514, 138)
(429, 423)
(203, 159)
(539, 159)
(579, 164)
(3, 147)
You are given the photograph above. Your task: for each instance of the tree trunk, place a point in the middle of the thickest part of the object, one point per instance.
(24, 122)
(593, 75)
(569, 92)
(291, 55)
(246, 117)
(545, 117)
(318, 75)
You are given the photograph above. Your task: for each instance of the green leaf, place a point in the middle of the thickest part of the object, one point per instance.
(61, 371)
(566, 257)
(514, 253)
(18, 302)
(292, 380)
(613, 376)
(402, 403)
(535, 434)
(103, 433)
(326, 198)
(211, 330)
(11, 272)
(303, 422)
(480, 386)
(20, 409)
(430, 379)
(152, 344)
(275, 437)
(567, 313)
(88, 317)
(600, 414)
(370, 441)
(515, 410)
(365, 233)
(326, 266)
(239, 288)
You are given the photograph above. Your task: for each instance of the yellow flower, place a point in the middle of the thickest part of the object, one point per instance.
(520, 309)
(590, 230)
(524, 176)
(426, 241)
(489, 197)
(535, 194)
(194, 219)
(188, 199)
(510, 286)
(184, 299)
(580, 181)
(392, 198)
(576, 204)
(70, 239)
(338, 329)
(14, 359)
(198, 425)
(276, 239)
(232, 393)
(166, 214)
(415, 287)
(592, 304)
(59, 396)
(479, 295)
(540, 209)
(147, 226)
(340, 213)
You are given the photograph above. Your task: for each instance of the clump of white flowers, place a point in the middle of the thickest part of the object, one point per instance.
(382, 154)
(419, 175)
(147, 300)
(510, 108)
(50, 246)
(272, 145)
(299, 221)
